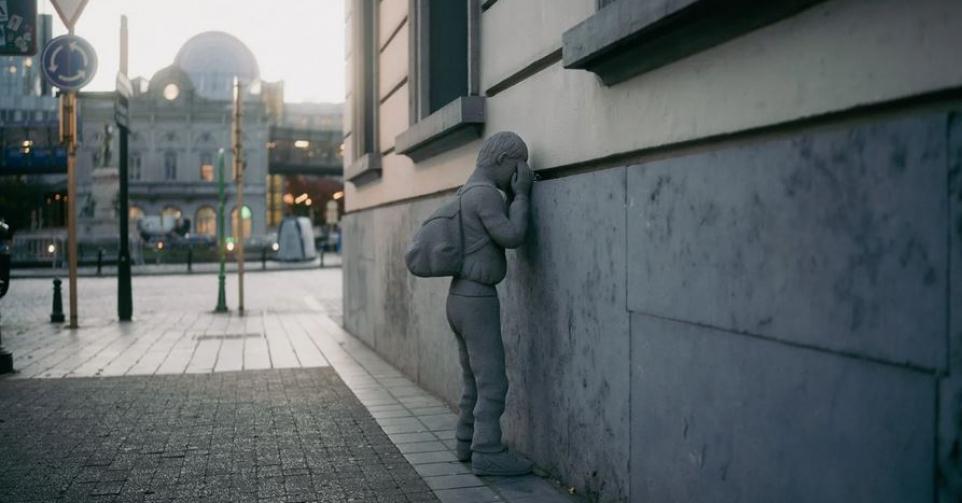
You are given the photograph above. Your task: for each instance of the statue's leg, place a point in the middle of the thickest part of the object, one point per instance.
(469, 391)
(469, 398)
(479, 323)
(481, 330)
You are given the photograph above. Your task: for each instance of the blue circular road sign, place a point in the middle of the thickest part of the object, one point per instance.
(69, 62)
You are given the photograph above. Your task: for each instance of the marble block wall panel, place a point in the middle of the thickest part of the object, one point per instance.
(358, 269)
(396, 335)
(718, 416)
(950, 403)
(565, 328)
(833, 238)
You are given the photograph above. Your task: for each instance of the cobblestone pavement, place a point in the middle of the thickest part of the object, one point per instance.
(294, 435)
(179, 373)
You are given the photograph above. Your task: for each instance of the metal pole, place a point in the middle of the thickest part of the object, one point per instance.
(221, 245)
(239, 170)
(69, 129)
(125, 304)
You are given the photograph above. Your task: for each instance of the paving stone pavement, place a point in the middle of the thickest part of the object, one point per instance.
(176, 352)
(293, 435)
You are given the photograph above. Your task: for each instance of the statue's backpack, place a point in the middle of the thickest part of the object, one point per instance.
(437, 248)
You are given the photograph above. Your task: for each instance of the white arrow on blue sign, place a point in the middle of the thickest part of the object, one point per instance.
(69, 62)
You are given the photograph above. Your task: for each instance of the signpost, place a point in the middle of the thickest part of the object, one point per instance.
(239, 172)
(69, 62)
(125, 306)
(69, 11)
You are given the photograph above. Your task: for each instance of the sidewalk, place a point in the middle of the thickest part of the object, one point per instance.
(330, 260)
(179, 370)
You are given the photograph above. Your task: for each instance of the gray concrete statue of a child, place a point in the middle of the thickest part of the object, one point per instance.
(491, 222)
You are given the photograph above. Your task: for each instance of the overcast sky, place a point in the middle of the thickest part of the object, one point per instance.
(298, 41)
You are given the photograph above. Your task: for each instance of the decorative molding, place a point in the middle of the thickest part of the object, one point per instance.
(456, 123)
(628, 38)
(519, 76)
(364, 170)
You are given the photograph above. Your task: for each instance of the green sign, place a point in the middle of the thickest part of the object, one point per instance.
(18, 27)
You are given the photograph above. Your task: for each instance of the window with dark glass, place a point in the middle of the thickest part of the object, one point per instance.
(207, 167)
(364, 92)
(446, 107)
(447, 70)
(170, 166)
(135, 161)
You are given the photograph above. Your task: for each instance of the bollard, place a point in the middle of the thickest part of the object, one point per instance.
(263, 259)
(321, 251)
(6, 359)
(100, 260)
(57, 315)
(190, 259)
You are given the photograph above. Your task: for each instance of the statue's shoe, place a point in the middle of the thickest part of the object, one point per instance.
(501, 464)
(462, 450)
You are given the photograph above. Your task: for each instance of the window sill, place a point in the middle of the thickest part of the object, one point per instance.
(453, 125)
(629, 38)
(364, 170)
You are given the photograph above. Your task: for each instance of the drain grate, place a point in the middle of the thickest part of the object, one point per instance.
(204, 337)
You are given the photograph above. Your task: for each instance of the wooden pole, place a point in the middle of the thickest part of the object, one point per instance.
(69, 129)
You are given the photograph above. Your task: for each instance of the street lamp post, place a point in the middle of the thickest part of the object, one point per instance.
(221, 245)
(125, 305)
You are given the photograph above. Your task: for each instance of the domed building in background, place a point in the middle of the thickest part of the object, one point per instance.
(212, 60)
(180, 119)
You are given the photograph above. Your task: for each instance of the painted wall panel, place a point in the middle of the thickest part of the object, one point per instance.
(835, 56)
(393, 118)
(531, 28)
(393, 63)
(391, 14)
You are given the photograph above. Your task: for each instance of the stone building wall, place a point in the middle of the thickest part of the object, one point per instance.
(742, 280)
(765, 320)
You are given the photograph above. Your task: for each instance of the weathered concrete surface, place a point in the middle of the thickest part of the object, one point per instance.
(950, 387)
(566, 334)
(721, 417)
(834, 238)
(392, 307)
(566, 348)
(357, 231)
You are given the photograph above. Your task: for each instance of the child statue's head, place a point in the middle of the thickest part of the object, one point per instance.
(499, 157)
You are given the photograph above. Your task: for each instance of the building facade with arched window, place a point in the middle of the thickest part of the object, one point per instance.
(246, 227)
(205, 221)
(180, 119)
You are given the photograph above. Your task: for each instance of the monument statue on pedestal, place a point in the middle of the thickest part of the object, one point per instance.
(98, 211)
(466, 239)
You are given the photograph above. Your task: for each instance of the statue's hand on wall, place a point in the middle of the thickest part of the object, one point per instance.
(521, 181)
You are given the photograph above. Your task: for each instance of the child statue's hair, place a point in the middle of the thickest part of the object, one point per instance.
(499, 146)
